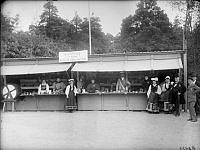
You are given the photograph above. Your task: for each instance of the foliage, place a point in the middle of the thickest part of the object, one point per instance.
(191, 9)
(148, 30)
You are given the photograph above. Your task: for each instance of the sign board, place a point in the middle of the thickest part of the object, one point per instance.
(74, 56)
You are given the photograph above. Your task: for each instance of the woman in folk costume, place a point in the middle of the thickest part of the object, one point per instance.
(71, 92)
(122, 83)
(153, 96)
(166, 95)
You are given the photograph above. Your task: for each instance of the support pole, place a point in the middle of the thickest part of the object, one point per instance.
(185, 78)
(90, 40)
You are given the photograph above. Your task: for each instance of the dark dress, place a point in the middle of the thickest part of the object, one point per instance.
(152, 105)
(166, 96)
(71, 100)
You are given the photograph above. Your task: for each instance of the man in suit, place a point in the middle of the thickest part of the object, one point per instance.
(178, 91)
(197, 104)
(191, 95)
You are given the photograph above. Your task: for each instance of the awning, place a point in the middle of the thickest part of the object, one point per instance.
(33, 69)
(128, 65)
(166, 64)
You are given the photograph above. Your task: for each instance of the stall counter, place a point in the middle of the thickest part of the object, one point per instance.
(86, 101)
(112, 101)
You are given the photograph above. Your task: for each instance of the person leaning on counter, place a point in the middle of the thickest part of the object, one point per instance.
(93, 87)
(43, 88)
(58, 86)
(122, 83)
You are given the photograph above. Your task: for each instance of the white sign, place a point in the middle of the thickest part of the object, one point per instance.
(74, 56)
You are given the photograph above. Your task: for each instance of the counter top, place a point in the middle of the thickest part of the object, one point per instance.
(111, 93)
(100, 93)
(41, 94)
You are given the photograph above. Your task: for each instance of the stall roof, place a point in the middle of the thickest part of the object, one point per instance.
(33, 68)
(131, 63)
(137, 61)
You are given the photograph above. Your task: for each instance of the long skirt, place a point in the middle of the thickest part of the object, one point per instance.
(165, 100)
(71, 102)
(166, 96)
(152, 105)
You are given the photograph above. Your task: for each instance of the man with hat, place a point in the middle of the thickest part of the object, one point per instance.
(122, 83)
(191, 97)
(71, 92)
(197, 105)
(178, 91)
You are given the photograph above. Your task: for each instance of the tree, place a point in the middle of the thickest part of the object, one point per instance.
(48, 19)
(148, 30)
(76, 22)
(99, 44)
(178, 33)
(8, 41)
(191, 9)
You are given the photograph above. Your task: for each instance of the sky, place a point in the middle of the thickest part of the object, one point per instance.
(111, 13)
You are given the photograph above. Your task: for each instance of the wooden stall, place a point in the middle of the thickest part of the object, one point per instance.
(105, 70)
(27, 73)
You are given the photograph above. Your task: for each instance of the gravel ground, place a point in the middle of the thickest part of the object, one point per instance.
(109, 130)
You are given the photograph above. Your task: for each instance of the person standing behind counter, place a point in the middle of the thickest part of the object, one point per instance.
(146, 83)
(43, 88)
(80, 85)
(122, 83)
(58, 86)
(93, 87)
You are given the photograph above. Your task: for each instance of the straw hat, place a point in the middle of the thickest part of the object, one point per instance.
(71, 80)
(154, 79)
(167, 77)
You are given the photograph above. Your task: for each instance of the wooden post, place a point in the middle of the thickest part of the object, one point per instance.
(4, 80)
(185, 78)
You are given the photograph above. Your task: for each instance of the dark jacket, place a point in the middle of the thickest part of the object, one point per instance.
(191, 92)
(146, 84)
(178, 88)
(92, 87)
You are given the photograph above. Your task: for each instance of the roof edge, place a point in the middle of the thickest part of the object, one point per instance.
(96, 55)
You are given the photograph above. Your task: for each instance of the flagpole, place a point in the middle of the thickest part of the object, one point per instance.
(90, 40)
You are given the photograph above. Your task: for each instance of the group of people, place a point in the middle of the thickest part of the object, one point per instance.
(168, 96)
(122, 85)
(60, 88)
